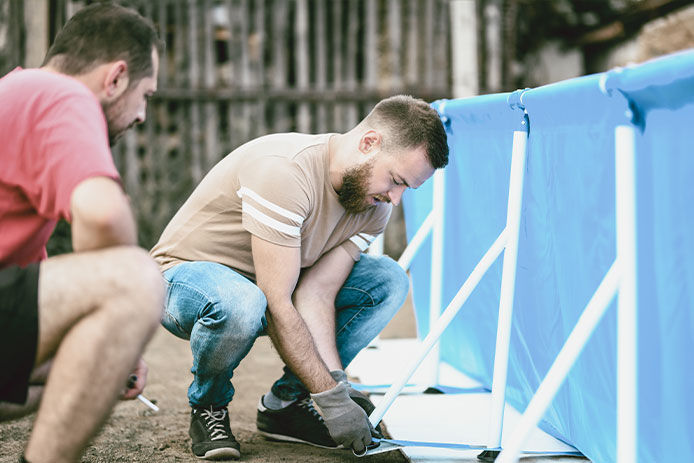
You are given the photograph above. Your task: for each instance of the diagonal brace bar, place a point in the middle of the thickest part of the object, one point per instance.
(438, 328)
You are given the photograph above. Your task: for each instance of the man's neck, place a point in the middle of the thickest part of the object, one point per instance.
(89, 79)
(336, 162)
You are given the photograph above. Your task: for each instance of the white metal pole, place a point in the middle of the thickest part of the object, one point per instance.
(627, 301)
(416, 242)
(440, 325)
(436, 281)
(508, 285)
(562, 364)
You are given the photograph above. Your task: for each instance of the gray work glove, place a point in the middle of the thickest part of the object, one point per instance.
(347, 423)
(361, 399)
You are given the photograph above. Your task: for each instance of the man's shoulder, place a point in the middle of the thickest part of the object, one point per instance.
(44, 82)
(35, 93)
(287, 145)
(287, 152)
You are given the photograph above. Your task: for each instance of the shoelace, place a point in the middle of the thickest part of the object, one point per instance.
(306, 404)
(214, 420)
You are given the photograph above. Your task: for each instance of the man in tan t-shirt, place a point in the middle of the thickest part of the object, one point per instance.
(271, 241)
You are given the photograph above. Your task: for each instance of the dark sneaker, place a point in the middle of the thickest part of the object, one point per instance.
(211, 434)
(298, 422)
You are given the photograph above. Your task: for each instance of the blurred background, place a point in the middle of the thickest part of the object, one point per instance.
(237, 69)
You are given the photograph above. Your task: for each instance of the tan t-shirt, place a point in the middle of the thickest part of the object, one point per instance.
(277, 188)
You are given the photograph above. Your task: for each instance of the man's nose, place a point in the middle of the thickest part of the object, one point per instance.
(141, 114)
(395, 194)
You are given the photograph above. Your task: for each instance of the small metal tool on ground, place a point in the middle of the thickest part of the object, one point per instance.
(132, 379)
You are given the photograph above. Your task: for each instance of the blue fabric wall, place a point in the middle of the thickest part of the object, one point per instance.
(567, 243)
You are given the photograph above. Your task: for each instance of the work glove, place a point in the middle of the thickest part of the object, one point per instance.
(347, 423)
(361, 399)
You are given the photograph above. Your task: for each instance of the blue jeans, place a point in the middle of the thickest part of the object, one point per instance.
(222, 313)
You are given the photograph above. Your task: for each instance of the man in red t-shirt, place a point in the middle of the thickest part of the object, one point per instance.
(73, 327)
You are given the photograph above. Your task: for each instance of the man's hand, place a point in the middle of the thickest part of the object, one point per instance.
(341, 377)
(132, 391)
(347, 423)
(361, 399)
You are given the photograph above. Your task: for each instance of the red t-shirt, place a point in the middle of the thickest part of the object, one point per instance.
(53, 135)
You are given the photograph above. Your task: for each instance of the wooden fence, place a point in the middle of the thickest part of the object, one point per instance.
(237, 69)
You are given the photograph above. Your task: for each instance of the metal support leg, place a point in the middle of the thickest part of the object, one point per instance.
(508, 285)
(626, 304)
(436, 280)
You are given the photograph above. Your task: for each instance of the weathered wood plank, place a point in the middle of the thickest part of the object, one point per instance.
(320, 63)
(194, 81)
(412, 64)
(209, 77)
(302, 50)
(395, 43)
(338, 61)
(351, 110)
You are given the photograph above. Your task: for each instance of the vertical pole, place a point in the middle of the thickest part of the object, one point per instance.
(436, 282)
(508, 285)
(627, 302)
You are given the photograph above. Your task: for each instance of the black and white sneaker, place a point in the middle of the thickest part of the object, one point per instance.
(298, 422)
(211, 434)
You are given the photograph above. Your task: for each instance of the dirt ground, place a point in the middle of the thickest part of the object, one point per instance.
(134, 434)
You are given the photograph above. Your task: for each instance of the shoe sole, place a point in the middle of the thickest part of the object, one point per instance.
(284, 438)
(220, 454)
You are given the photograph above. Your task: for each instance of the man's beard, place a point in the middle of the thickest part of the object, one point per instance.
(111, 112)
(355, 182)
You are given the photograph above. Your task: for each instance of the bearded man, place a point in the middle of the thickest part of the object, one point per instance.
(72, 327)
(272, 241)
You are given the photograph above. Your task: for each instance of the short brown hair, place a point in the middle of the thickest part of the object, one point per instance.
(102, 33)
(411, 122)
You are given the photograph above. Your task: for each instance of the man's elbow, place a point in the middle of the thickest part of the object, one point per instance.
(94, 228)
(111, 222)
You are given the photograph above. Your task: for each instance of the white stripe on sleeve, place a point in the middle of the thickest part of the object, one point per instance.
(244, 191)
(367, 237)
(360, 242)
(269, 221)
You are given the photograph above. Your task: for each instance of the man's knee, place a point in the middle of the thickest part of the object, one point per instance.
(141, 282)
(394, 278)
(244, 315)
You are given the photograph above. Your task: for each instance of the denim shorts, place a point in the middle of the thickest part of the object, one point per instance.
(19, 330)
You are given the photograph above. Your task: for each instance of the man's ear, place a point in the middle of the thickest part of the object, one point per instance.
(370, 142)
(116, 80)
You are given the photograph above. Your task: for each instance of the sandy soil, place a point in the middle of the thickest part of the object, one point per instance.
(134, 434)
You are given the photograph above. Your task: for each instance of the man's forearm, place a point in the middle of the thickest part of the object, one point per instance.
(296, 347)
(319, 316)
(314, 298)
